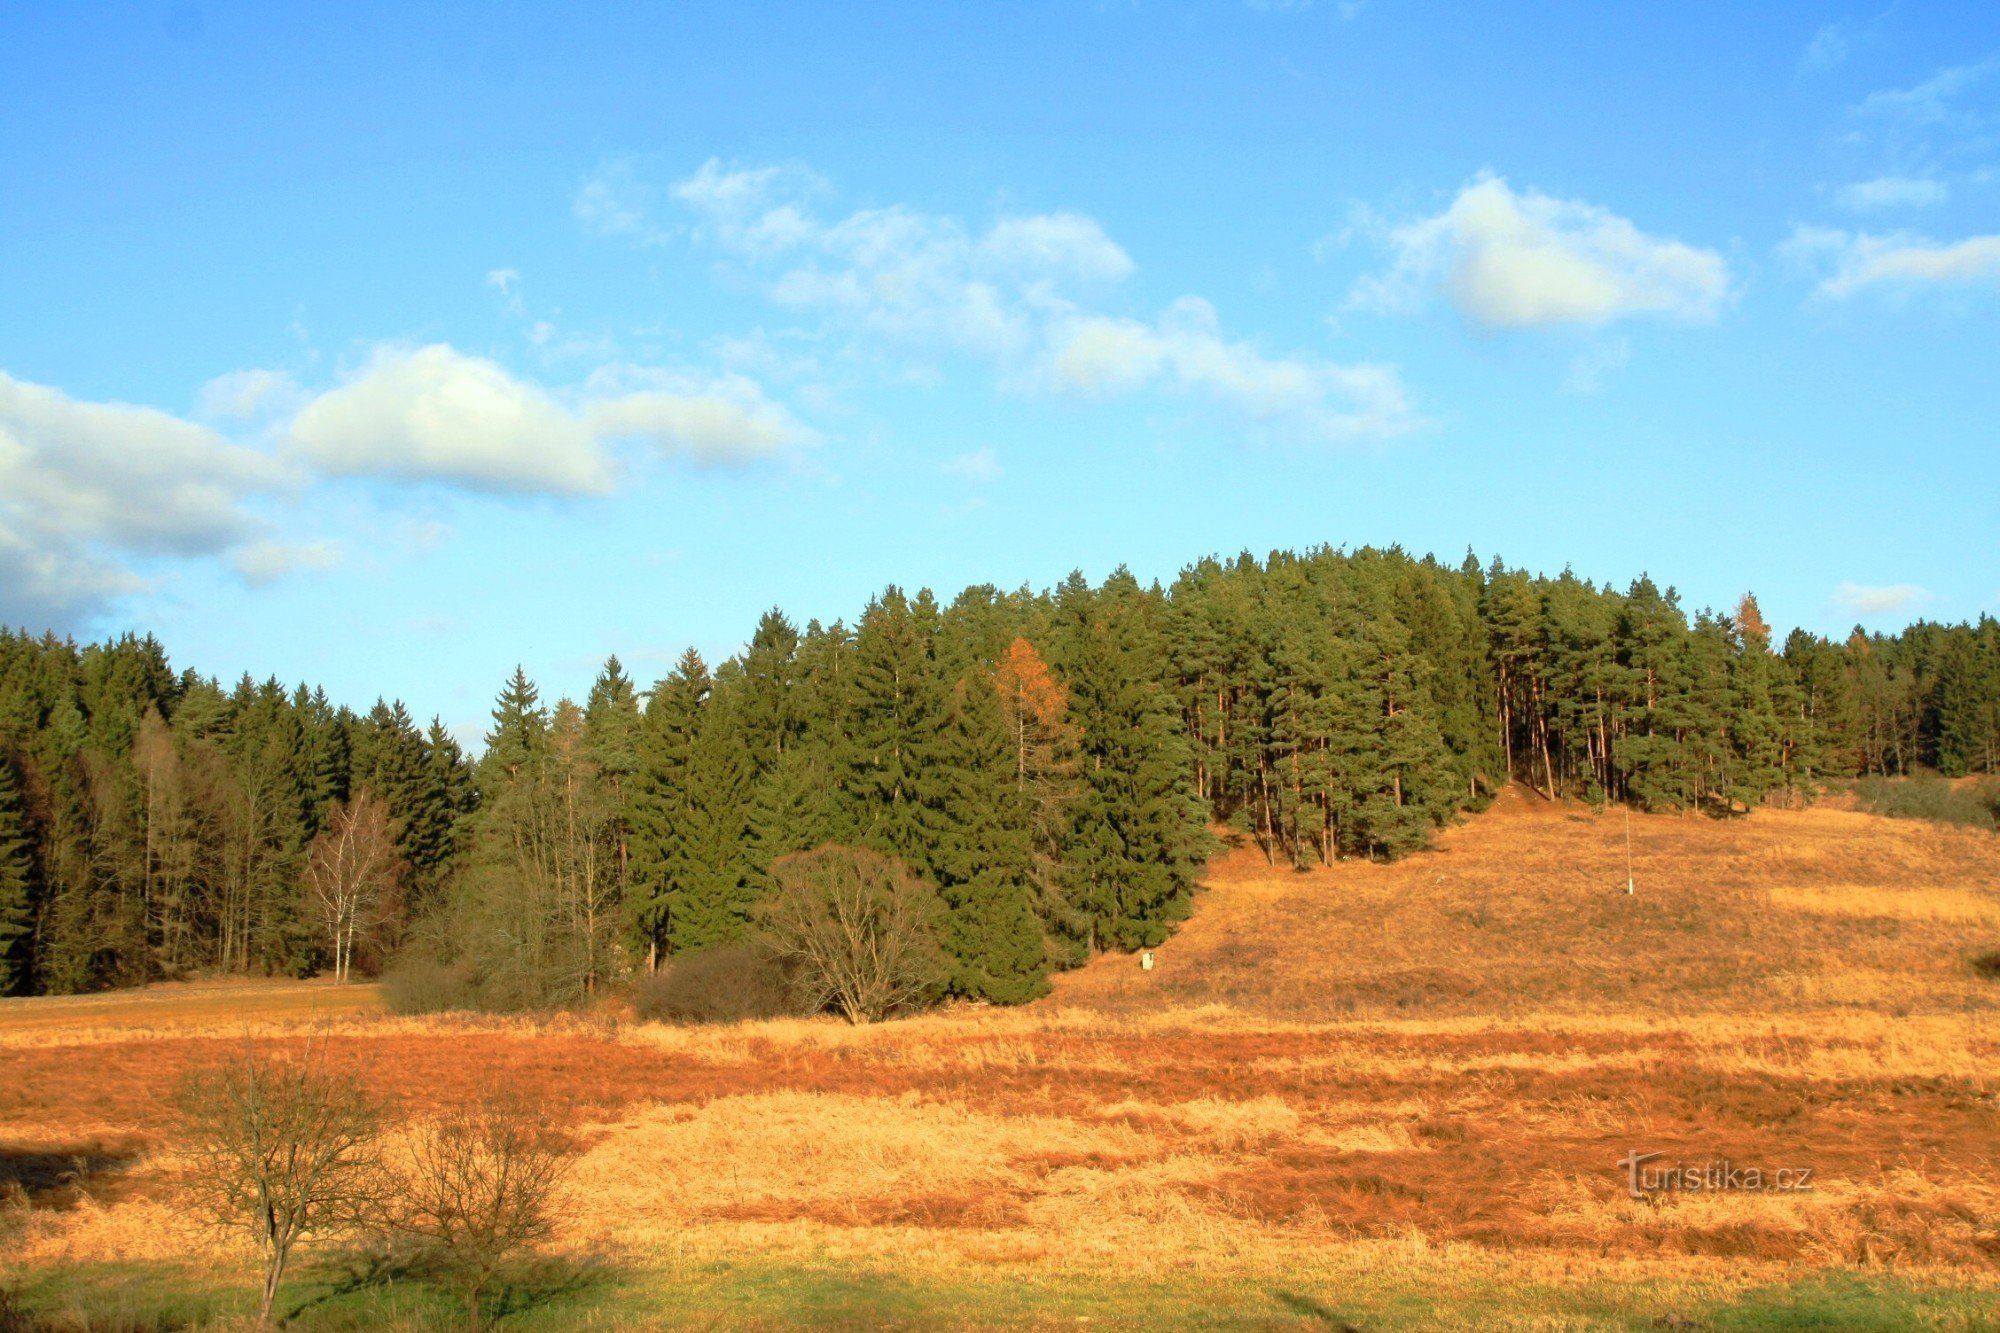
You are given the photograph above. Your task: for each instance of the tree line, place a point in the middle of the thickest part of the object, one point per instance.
(1047, 764)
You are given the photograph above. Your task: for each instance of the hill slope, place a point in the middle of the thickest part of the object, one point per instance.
(1524, 908)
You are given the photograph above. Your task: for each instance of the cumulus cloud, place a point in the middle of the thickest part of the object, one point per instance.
(1510, 260)
(267, 561)
(85, 487)
(433, 413)
(1851, 262)
(1305, 396)
(1863, 600)
(722, 420)
(436, 414)
(1885, 192)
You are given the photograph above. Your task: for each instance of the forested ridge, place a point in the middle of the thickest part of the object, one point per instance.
(1048, 763)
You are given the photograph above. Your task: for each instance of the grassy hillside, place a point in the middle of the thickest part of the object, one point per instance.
(1378, 1096)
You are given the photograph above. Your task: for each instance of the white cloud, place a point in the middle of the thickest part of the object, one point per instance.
(434, 413)
(504, 280)
(715, 421)
(1863, 600)
(1517, 261)
(1853, 261)
(85, 487)
(267, 561)
(1304, 396)
(980, 467)
(1020, 294)
(1886, 192)
(922, 280)
(1058, 243)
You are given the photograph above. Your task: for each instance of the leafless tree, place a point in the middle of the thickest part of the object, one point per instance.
(859, 929)
(351, 874)
(281, 1145)
(477, 1185)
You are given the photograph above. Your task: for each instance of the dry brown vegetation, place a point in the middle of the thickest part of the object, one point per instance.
(1430, 1068)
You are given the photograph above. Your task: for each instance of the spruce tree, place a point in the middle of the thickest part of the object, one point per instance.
(982, 854)
(17, 886)
(520, 729)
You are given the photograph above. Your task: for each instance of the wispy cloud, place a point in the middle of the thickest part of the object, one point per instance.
(1589, 368)
(1862, 600)
(1509, 260)
(1848, 263)
(1305, 397)
(1025, 294)
(1890, 192)
(980, 467)
(1828, 49)
(267, 561)
(1936, 100)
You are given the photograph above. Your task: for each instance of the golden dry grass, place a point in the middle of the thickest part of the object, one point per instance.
(1432, 1067)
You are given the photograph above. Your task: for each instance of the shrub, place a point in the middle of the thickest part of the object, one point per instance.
(1930, 798)
(1987, 964)
(859, 930)
(418, 985)
(730, 983)
(479, 1184)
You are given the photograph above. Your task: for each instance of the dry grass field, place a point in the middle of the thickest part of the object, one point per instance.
(1368, 1096)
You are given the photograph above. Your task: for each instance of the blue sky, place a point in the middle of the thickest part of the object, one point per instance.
(387, 346)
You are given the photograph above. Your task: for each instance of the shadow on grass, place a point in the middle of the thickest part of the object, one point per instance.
(1312, 1309)
(60, 1177)
(357, 1285)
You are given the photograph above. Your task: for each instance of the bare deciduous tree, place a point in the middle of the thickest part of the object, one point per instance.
(859, 928)
(282, 1146)
(350, 876)
(477, 1185)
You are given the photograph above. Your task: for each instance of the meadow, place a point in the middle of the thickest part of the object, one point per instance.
(1372, 1096)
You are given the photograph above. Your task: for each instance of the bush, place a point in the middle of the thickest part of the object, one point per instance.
(418, 985)
(1987, 964)
(1934, 799)
(477, 1185)
(727, 984)
(859, 930)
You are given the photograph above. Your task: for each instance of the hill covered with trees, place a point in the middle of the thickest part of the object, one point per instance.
(1047, 762)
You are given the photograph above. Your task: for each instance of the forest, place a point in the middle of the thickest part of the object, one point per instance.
(1050, 766)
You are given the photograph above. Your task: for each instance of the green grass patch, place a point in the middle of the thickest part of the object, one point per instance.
(352, 1295)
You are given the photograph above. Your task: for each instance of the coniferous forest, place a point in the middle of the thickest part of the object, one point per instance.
(1049, 764)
